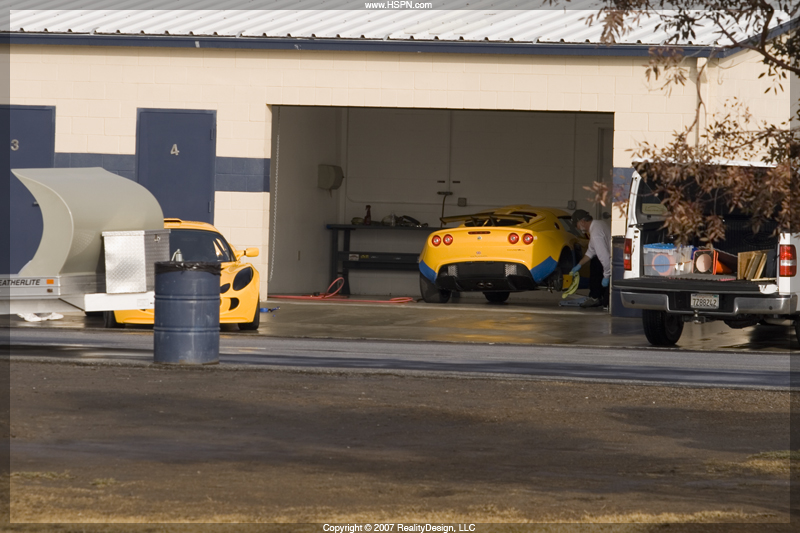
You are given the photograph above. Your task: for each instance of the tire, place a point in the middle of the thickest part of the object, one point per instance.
(253, 326)
(556, 279)
(93, 314)
(661, 328)
(497, 297)
(431, 293)
(564, 267)
(110, 320)
(797, 329)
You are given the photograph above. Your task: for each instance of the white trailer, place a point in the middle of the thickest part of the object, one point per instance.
(102, 235)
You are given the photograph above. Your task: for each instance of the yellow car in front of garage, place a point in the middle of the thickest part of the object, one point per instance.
(239, 281)
(500, 251)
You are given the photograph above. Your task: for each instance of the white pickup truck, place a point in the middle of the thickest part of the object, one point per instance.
(672, 285)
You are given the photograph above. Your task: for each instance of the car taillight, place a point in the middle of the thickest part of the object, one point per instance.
(513, 238)
(626, 254)
(788, 260)
(527, 238)
(448, 239)
(436, 240)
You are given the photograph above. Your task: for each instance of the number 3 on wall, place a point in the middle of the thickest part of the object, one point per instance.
(174, 150)
(14, 144)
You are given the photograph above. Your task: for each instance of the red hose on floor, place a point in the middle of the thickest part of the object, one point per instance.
(327, 295)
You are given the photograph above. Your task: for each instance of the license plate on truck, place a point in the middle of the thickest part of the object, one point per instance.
(705, 301)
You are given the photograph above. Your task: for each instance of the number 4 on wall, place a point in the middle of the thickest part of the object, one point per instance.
(174, 150)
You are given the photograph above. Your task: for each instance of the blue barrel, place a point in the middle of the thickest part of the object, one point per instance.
(617, 273)
(186, 324)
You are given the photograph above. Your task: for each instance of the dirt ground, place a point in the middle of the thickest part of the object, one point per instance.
(102, 446)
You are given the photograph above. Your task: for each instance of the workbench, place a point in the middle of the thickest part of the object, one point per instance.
(344, 260)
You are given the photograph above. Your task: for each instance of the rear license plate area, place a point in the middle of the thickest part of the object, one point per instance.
(704, 301)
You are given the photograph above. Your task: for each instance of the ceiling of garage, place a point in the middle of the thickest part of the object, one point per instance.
(451, 20)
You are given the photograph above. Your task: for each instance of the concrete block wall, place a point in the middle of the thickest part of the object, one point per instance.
(738, 77)
(97, 89)
(240, 217)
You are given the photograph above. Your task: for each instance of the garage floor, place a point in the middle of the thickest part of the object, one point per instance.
(536, 320)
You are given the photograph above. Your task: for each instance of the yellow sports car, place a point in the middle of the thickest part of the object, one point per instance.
(511, 249)
(239, 281)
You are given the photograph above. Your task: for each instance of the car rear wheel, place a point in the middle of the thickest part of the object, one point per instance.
(431, 293)
(564, 267)
(110, 320)
(497, 297)
(797, 329)
(252, 326)
(661, 328)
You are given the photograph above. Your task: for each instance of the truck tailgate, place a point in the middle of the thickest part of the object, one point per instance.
(675, 284)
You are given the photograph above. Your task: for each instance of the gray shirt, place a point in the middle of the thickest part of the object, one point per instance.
(600, 244)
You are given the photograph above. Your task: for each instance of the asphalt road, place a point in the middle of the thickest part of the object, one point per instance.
(758, 370)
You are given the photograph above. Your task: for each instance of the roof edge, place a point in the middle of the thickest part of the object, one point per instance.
(349, 45)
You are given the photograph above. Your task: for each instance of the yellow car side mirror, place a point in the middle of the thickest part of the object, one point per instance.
(251, 252)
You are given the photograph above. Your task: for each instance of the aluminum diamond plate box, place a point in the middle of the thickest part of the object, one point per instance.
(130, 258)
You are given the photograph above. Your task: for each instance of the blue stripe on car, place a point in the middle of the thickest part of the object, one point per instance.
(427, 271)
(543, 269)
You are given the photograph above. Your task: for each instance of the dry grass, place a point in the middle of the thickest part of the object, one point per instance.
(41, 475)
(53, 511)
(703, 517)
(775, 463)
(105, 482)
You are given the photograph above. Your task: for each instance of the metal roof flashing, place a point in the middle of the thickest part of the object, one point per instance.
(347, 45)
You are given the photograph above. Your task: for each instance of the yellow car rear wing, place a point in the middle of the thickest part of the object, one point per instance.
(489, 219)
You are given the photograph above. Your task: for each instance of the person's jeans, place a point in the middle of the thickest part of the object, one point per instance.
(596, 289)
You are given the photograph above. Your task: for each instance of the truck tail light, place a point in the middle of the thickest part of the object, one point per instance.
(448, 239)
(513, 238)
(626, 254)
(788, 260)
(436, 240)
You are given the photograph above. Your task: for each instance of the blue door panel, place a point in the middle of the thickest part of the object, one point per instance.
(32, 134)
(175, 159)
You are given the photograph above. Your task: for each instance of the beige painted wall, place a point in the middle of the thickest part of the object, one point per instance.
(97, 89)
(239, 216)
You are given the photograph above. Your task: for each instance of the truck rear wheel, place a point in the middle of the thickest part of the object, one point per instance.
(431, 293)
(661, 328)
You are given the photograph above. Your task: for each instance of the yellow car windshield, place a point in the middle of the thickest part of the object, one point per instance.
(199, 245)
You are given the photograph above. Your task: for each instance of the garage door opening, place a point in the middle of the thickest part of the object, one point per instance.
(417, 163)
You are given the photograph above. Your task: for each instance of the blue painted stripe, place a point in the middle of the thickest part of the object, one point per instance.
(242, 174)
(121, 164)
(356, 45)
(234, 174)
(543, 269)
(427, 271)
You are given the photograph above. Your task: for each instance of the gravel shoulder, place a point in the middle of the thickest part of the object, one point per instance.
(132, 444)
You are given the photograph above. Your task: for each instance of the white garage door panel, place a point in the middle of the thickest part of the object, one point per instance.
(501, 158)
(396, 156)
